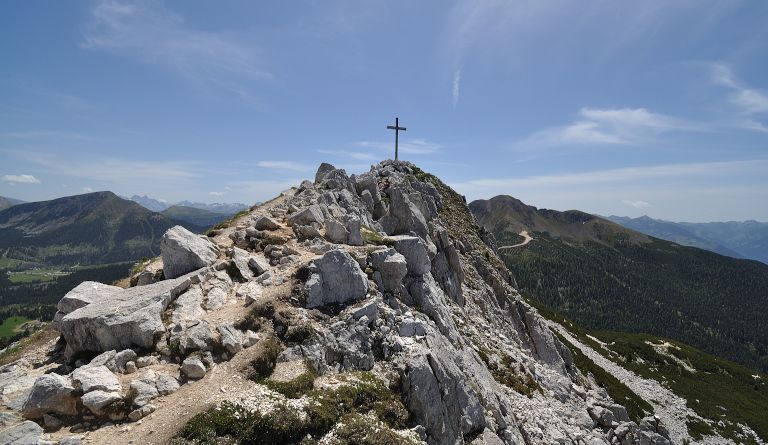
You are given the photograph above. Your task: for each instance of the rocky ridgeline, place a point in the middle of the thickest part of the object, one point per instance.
(386, 272)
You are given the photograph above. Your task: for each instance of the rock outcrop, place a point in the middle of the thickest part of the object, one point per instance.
(383, 272)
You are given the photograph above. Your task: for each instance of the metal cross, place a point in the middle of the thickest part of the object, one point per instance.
(397, 129)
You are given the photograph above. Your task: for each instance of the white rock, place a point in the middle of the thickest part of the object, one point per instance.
(95, 378)
(97, 400)
(338, 279)
(193, 368)
(183, 252)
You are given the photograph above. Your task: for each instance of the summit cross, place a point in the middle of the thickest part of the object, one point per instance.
(397, 129)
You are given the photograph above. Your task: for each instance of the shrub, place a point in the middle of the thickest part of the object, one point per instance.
(295, 388)
(265, 363)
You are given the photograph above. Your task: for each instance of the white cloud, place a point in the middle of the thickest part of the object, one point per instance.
(411, 147)
(20, 179)
(606, 127)
(748, 100)
(86, 189)
(216, 193)
(284, 165)
(455, 89)
(151, 33)
(356, 155)
(622, 176)
(636, 204)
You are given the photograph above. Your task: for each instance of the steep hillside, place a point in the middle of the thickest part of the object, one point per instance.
(364, 309)
(192, 215)
(630, 282)
(94, 228)
(8, 202)
(677, 233)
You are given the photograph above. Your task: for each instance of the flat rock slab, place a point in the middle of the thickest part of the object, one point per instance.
(126, 319)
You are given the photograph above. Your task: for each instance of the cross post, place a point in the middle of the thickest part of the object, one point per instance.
(397, 129)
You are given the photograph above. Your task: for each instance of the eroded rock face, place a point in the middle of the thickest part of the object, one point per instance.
(128, 318)
(183, 252)
(336, 278)
(391, 267)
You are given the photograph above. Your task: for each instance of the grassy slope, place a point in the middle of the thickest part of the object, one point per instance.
(8, 327)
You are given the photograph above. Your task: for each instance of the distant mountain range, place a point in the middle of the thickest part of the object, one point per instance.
(608, 277)
(8, 202)
(94, 228)
(196, 216)
(738, 239)
(158, 205)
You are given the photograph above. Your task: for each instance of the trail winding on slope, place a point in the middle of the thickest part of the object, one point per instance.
(527, 239)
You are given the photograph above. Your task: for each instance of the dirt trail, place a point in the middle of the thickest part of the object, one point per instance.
(527, 239)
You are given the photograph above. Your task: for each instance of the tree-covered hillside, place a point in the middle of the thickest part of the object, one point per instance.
(712, 302)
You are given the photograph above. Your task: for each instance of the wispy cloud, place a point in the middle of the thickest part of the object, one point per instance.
(216, 193)
(19, 179)
(150, 33)
(747, 99)
(606, 127)
(630, 175)
(411, 147)
(636, 204)
(284, 165)
(356, 155)
(456, 86)
(87, 189)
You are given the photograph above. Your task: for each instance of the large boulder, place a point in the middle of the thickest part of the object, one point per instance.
(391, 267)
(51, 393)
(82, 295)
(183, 252)
(336, 278)
(240, 259)
(266, 223)
(126, 319)
(322, 171)
(89, 379)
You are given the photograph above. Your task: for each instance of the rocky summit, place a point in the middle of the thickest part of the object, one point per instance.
(353, 309)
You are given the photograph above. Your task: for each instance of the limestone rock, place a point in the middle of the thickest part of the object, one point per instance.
(415, 252)
(193, 368)
(391, 267)
(82, 295)
(129, 318)
(322, 171)
(166, 384)
(312, 214)
(95, 378)
(25, 433)
(266, 223)
(183, 252)
(230, 338)
(259, 264)
(97, 400)
(335, 232)
(240, 260)
(51, 393)
(336, 278)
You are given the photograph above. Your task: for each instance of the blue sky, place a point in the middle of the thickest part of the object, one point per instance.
(611, 107)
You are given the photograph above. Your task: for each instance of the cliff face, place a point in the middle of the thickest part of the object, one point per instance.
(382, 277)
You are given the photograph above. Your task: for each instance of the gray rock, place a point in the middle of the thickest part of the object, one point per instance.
(25, 433)
(71, 440)
(95, 378)
(312, 214)
(250, 338)
(322, 171)
(166, 384)
(183, 252)
(106, 359)
(147, 360)
(241, 259)
(189, 305)
(230, 338)
(259, 264)
(128, 318)
(415, 252)
(307, 232)
(391, 267)
(193, 368)
(123, 357)
(335, 232)
(82, 295)
(142, 391)
(51, 393)
(266, 223)
(141, 412)
(337, 278)
(411, 327)
(130, 367)
(97, 400)
(199, 337)
(51, 422)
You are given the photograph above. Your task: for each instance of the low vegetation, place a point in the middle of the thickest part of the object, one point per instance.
(363, 411)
